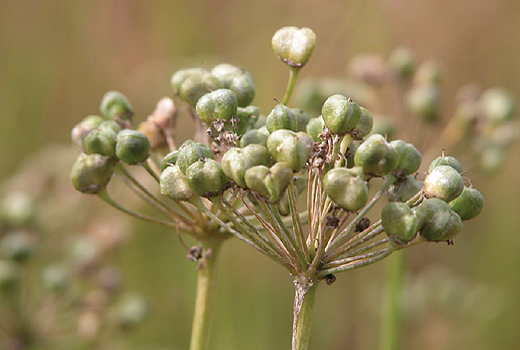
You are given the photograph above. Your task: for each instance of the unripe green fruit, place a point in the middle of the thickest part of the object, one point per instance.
(280, 118)
(294, 46)
(315, 127)
(190, 152)
(207, 178)
(236, 161)
(181, 75)
(174, 184)
(197, 85)
(91, 173)
(254, 137)
(443, 182)
(225, 72)
(82, 129)
(218, 104)
(400, 221)
(404, 189)
(102, 140)
(409, 157)
(247, 118)
(424, 101)
(346, 187)
(132, 146)
(497, 105)
(441, 223)
(291, 148)
(244, 88)
(270, 183)
(376, 156)
(302, 118)
(170, 159)
(115, 105)
(469, 204)
(340, 114)
(446, 160)
(365, 124)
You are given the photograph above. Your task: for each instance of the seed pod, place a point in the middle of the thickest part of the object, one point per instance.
(169, 159)
(376, 156)
(469, 204)
(82, 129)
(340, 114)
(346, 187)
(315, 127)
(302, 118)
(291, 148)
(294, 46)
(179, 76)
(216, 105)
(132, 146)
(446, 160)
(206, 178)
(404, 189)
(174, 184)
(365, 124)
(400, 221)
(237, 161)
(190, 152)
(102, 140)
(115, 105)
(197, 85)
(440, 223)
(443, 182)
(254, 137)
(280, 118)
(247, 118)
(270, 183)
(243, 87)
(409, 157)
(91, 173)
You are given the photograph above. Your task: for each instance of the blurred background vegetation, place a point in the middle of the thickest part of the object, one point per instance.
(58, 58)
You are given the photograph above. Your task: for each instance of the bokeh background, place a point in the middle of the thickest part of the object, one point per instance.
(58, 58)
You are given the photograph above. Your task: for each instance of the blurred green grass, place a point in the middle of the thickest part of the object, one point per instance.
(57, 59)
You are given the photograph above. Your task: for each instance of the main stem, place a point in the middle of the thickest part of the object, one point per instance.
(303, 308)
(392, 301)
(205, 289)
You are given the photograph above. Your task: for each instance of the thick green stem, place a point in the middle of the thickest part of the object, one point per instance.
(205, 289)
(391, 308)
(303, 308)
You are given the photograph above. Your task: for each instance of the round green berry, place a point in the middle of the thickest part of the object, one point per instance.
(346, 187)
(132, 146)
(216, 105)
(340, 114)
(469, 204)
(376, 156)
(443, 182)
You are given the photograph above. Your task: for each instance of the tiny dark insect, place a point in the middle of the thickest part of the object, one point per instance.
(331, 221)
(329, 279)
(363, 224)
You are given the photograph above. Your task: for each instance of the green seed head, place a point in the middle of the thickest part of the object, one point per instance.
(469, 204)
(291, 148)
(365, 124)
(102, 140)
(315, 127)
(174, 184)
(440, 222)
(294, 46)
(340, 114)
(302, 117)
(270, 183)
(443, 182)
(254, 136)
(376, 156)
(446, 160)
(400, 222)
(237, 161)
(82, 129)
(169, 159)
(346, 187)
(404, 189)
(409, 157)
(115, 105)
(197, 85)
(179, 76)
(91, 173)
(216, 105)
(247, 118)
(132, 146)
(281, 117)
(207, 178)
(190, 152)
